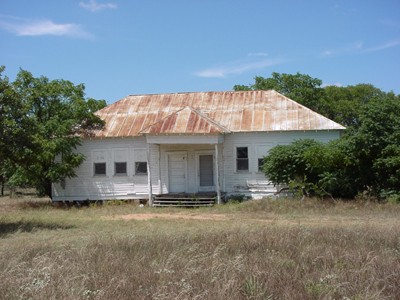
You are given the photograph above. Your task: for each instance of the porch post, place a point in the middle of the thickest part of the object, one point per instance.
(149, 176)
(217, 174)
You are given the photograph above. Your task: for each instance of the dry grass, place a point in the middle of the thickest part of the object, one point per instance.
(255, 250)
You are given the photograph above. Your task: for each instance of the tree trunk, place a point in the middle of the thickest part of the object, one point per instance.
(48, 188)
(44, 188)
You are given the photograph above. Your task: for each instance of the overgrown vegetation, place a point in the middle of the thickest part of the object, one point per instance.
(40, 123)
(260, 250)
(41, 120)
(365, 161)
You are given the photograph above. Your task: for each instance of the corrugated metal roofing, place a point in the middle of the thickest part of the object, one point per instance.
(185, 121)
(209, 113)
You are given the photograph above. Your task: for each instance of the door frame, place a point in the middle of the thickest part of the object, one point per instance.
(197, 158)
(185, 154)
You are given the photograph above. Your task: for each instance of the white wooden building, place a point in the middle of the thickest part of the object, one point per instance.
(189, 143)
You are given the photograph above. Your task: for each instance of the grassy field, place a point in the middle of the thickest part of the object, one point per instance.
(283, 249)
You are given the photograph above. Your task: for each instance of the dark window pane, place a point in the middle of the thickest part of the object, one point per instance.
(120, 168)
(100, 169)
(260, 164)
(140, 168)
(242, 164)
(241, 152)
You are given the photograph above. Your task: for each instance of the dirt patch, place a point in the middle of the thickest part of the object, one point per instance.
(213, 217)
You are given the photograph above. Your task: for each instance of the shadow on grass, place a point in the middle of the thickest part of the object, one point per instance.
(7, 228)
(35, 204)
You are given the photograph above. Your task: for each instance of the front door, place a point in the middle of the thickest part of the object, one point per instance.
(177, 172)
(206, 172)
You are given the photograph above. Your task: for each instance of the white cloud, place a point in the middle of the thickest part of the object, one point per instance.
(383, 46)
(257, 54)
(93, 6)
(351, 48)
(236, 68)
(358, 47)
(327, 53)
(25, 27)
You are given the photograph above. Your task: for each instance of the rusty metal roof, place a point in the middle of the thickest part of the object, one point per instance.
(185, 121)
(209, 113)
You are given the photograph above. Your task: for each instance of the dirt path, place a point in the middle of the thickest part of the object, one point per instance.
(213, 217)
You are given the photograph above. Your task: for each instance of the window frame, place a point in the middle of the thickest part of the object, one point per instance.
(242, 159)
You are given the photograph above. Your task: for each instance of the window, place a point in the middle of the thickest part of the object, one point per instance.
(242, 159)
(100, 168)
(260, 164)
(120, 168)
(141, 168)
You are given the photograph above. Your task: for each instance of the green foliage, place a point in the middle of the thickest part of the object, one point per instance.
(366, 158)
(254, 288)
(306, 166)
(42, 121)
(344, 104)
(300, 87)
(374, 147)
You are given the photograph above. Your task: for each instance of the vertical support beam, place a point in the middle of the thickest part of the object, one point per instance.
(159, 170)
(150, 186)
(217, 174)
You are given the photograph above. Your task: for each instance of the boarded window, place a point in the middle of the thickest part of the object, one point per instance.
(141, 168)
(120, 168)
(242, 159)
(100, 169)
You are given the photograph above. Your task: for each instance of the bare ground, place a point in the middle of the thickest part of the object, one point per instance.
(269, 219)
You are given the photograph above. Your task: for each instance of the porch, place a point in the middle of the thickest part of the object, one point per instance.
(202, 199)
(185, 170)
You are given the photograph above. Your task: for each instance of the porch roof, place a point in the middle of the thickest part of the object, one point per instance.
(185, 121)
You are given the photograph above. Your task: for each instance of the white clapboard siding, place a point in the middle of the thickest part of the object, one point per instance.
(86, 186)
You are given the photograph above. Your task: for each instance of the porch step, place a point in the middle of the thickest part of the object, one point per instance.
(184, 200)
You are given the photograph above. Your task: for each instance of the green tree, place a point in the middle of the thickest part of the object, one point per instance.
(14, 130)
(57, 114)
(374, 147)
(300, 87)
(344, 104)
(367, 158)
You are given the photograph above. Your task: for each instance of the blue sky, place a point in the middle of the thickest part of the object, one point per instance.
(121, 47)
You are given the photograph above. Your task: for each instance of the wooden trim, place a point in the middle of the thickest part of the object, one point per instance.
(217, 174)
(149, 176)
